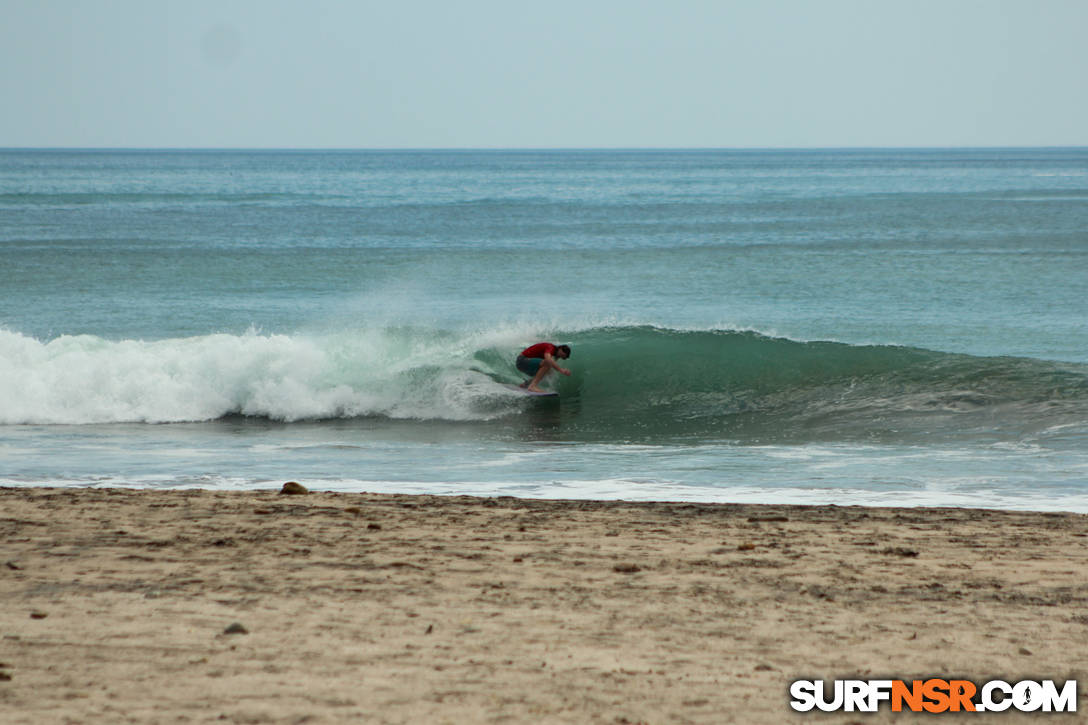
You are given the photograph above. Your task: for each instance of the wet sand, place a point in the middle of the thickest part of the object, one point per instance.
(115, 607)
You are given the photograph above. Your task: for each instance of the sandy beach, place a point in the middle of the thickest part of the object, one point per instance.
(251, 607)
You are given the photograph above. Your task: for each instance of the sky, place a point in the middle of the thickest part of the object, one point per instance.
(582, 74)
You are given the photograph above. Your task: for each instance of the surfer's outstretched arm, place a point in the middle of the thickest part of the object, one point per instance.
(546, 367)
(542, 351)
(550, 362)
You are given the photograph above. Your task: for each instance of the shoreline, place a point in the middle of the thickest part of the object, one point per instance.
(408, 608)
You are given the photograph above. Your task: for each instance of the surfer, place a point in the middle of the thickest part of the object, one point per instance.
(538, 360)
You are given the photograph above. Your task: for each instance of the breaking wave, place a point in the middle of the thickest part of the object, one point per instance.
(630, 383)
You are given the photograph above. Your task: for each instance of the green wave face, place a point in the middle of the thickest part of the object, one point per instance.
(646, 383)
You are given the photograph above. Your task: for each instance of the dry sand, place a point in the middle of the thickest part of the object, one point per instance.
(426, 609)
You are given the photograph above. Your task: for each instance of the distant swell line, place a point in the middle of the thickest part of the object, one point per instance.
(92, 198)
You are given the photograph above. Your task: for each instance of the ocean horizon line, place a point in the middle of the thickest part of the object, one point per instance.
(526, 149)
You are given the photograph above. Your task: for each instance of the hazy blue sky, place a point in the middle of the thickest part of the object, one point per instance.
(681, 73)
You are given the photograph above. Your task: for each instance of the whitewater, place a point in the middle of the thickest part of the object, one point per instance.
(851, 327)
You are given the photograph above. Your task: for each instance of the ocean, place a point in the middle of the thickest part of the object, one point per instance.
(874, 327)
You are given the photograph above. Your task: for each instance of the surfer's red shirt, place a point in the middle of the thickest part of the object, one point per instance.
(538, 350)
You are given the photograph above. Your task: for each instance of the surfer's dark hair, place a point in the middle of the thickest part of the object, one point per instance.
(563, 348)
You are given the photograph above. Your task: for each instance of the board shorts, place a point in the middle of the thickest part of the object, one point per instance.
(528, 365)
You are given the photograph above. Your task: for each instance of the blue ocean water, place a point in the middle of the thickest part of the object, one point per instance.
(899, 327)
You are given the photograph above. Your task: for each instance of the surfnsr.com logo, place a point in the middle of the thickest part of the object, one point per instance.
(934, 695)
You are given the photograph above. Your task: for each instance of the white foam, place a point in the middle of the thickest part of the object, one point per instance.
(86, 379)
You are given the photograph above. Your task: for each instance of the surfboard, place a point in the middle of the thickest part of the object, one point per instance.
(532, 394)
